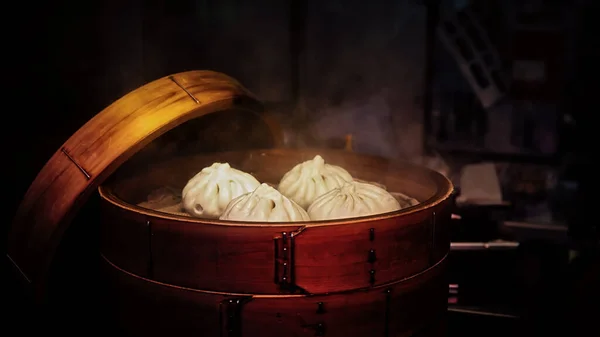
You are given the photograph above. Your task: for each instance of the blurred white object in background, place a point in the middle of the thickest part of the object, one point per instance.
(479, 184)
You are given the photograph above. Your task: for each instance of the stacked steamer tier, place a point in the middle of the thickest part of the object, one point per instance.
(174, 275)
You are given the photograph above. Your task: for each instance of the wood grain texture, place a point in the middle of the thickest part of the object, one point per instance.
(329, 256)
(103, 144)
(129, 244)
(408, 307)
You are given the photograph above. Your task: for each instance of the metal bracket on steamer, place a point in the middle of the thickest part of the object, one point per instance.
(284, 260)
(230, 316)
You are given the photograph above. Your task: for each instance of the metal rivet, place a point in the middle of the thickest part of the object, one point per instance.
(320, 308)
(372, 256)
(320, 329)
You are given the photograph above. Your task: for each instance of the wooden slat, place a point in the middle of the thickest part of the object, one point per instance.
(336, 258)
(405, 308)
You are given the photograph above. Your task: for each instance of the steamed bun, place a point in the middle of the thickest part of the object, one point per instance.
(308, 180)
(353, 199)
(264, 204)
(209, 192)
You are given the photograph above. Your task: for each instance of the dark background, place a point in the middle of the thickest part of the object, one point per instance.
(68, 60)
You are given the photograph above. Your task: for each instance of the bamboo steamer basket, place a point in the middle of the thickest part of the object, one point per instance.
(171, 274)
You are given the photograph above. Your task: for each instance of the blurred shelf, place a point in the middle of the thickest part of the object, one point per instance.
(523, 231)
(482, 311)
(492, 245)
(457, 149)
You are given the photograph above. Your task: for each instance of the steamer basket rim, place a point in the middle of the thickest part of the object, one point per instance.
(445, 191)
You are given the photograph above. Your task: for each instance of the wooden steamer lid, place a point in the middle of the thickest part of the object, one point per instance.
(104, 143)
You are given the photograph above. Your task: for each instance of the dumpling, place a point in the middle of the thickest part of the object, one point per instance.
(353, 199)
(264, 204)
(404, 200)
(309, 180)
(209, 192)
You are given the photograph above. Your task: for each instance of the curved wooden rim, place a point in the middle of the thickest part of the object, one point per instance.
(381, 286)
(444, 192)
(99, 147)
